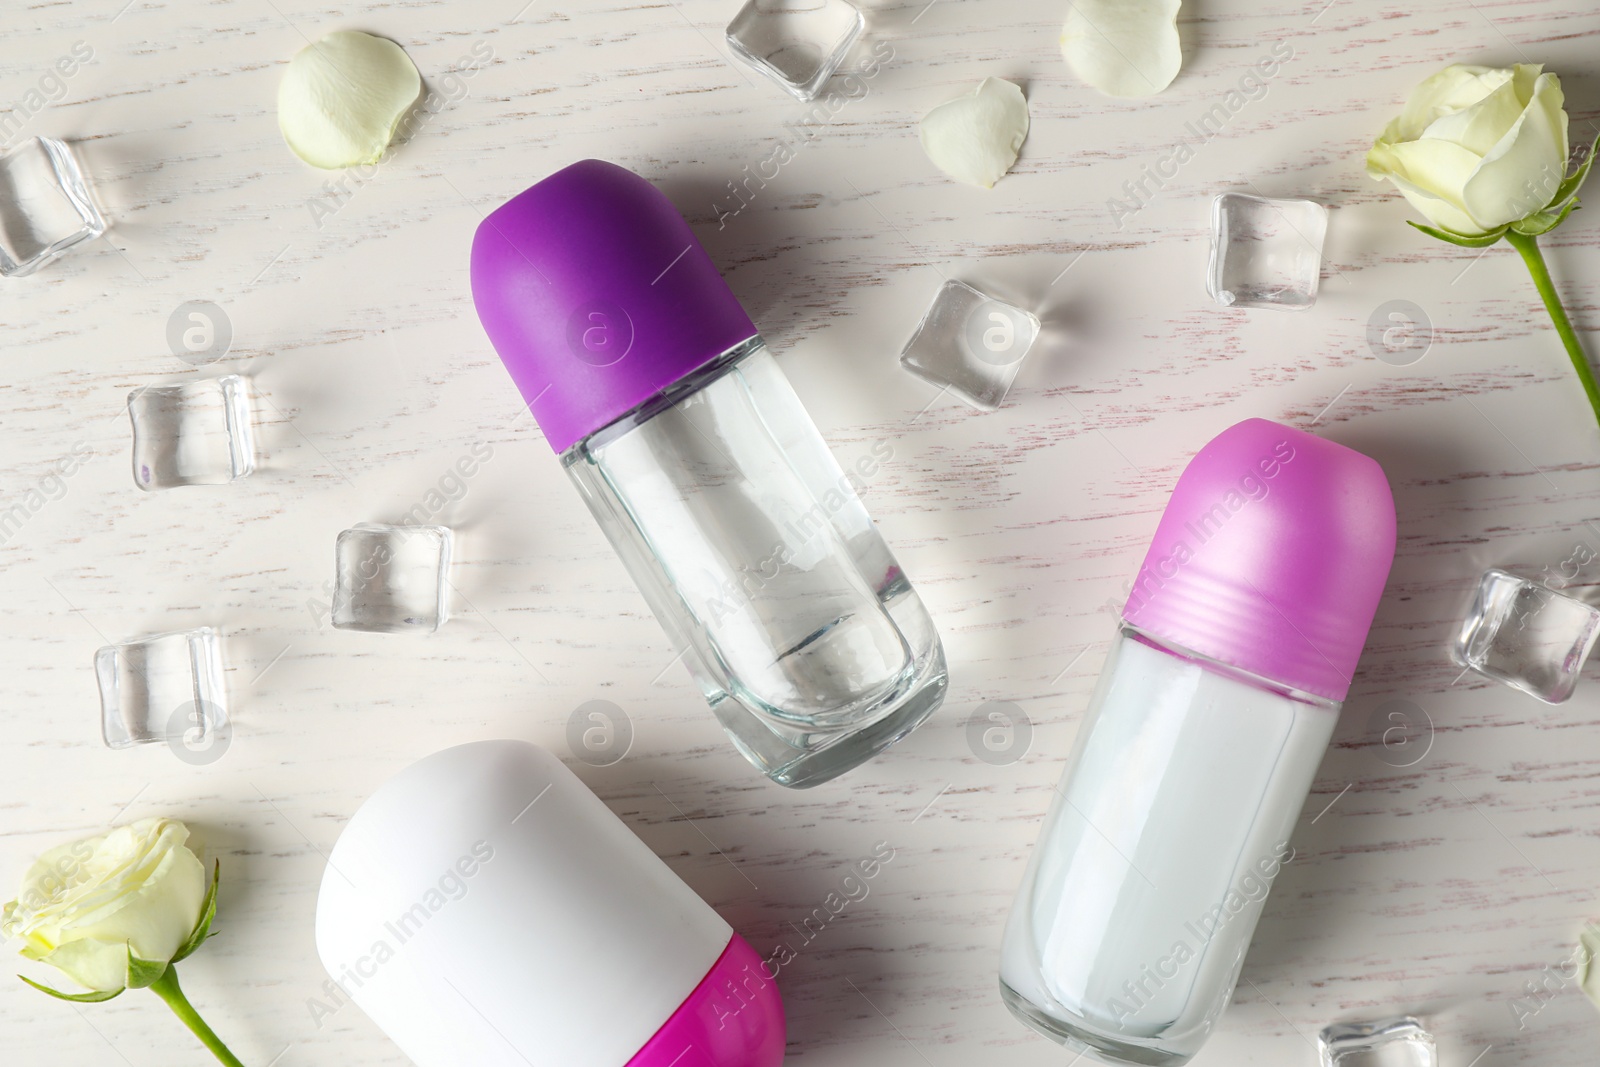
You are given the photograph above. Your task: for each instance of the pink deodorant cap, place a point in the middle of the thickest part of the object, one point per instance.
(1271, 557)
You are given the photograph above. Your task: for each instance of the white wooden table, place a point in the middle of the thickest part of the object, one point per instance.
(1441, 887)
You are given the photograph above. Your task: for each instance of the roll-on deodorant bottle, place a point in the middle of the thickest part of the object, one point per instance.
(706, 474)
(1202, 738)
(484, 907)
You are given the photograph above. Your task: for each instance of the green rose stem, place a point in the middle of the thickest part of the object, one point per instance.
(1527, 246)
(166, 987)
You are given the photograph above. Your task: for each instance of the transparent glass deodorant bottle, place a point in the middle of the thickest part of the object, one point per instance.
(1200, 745)
(706, 474)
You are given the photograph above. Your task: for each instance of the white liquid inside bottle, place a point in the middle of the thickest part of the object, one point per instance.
(1171, 820)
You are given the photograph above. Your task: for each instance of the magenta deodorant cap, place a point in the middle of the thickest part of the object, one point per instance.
(484, 907)
(597, 296)
(1271, 557)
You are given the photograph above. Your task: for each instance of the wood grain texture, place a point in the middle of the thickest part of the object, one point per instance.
(1441, 887)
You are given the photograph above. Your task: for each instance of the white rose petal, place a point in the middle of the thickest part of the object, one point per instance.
(343, 96)
(975, 138)
(1479, 125)
(1429, 174)
(1588, 968)
(1452, 89)
(1519, 175)
(97, 965)
(83, 907)
(1123, 47)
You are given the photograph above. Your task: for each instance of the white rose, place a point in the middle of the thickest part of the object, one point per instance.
(84, 908)
(1477, 148)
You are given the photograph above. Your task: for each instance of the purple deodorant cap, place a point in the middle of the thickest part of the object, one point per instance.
(1271, 557)
(597, 296)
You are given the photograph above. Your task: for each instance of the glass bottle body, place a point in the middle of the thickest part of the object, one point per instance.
(755, 553)
(1171, 820)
